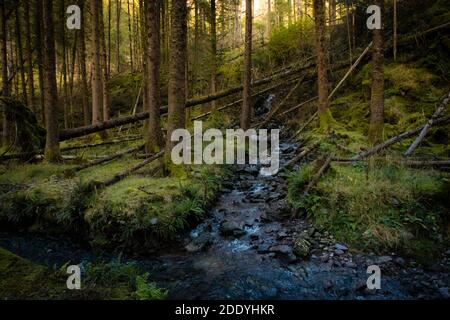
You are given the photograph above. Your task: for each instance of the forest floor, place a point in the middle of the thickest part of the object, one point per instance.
(212, 232)
(247, 249)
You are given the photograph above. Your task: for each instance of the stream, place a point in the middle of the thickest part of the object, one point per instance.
(247, 249)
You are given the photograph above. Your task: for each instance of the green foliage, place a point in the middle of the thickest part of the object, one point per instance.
(285, 44)
(148, 291)
(389, 205)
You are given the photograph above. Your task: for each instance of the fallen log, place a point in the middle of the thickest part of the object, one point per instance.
(101, 126)
(300, 156)
(319, 174)
(94, 145)
(120, 176)
(103, 160)
(408, 163)
(428, 126)
(349, 72)
(396, 139)
(298, 106)
(240, 100)
(286, 98)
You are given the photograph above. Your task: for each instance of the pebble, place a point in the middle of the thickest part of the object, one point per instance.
(340, 246)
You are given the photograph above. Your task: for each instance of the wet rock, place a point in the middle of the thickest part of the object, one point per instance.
(350, 265)
(445, 293)
(281, 248)
(232, 228)
(282, 235)
(302, 248)
(342, 247)
(384, 260)
(285, 252)
(399, 261)
(198, 244)
(339, 252)
(263, 248)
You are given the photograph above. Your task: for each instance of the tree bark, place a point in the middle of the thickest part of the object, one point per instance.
(130, 36)
(84, 78)
(20, 60)
(246, 113)
(38, 27)
(104, 65)
(96, 80)
(177, 72)
(7, 125)
(213, 87)
(377, 99)
(322, 78)
(154, 137)
(118, 11)
(62, 34)
(269, 18)
(332, 8)
(52, 153)
(31, 97)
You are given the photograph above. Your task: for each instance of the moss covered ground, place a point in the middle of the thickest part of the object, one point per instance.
(142, 208)
(380, 204)
(22, 279)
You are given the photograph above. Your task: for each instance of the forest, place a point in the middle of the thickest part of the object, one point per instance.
(347, 99)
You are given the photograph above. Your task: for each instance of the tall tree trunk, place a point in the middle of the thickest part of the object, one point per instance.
(96, 79)
(104, 62)
(109, 35)
(332, 14)
(20, 60)
(213, 87)
(7, 125)
(269, 18)
(289, 12)
(349, 37)
(395, 29)
(82, 66)
(118, 11)
(52, 153)
(377, 99)
(246, 113)
(322, 79)
(196, 41)
(38, 27)
(31, 97)
(154, 137)
(62, 34)
(130, 36)
(177, 72)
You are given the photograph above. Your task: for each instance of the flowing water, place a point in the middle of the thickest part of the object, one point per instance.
(245, 249)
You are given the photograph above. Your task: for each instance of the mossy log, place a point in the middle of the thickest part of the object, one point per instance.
(301, 155)
(315, 179)
(103, 160)
(390, 142)
(120, 176)
(101, 126)
(428, 125)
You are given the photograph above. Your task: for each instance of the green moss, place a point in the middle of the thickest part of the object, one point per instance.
(383, 206)
(22, 279)
(138, 207)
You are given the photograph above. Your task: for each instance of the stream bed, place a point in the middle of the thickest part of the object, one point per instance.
(247, 249)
